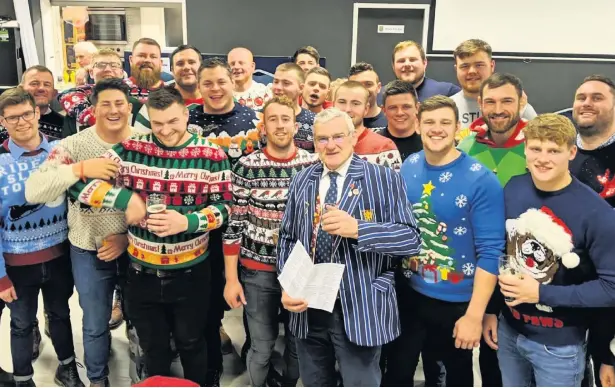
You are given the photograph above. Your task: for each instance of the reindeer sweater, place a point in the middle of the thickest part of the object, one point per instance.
(260, 188)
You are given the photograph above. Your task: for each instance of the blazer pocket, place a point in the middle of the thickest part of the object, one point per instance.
(384, 282)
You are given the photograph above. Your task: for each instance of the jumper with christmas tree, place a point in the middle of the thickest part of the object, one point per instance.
(260, 190)
(235, 132)
(196, 179)
(255, 97)
(305, 135)
(459, 208)
(506, 161)
(596, 168)
(29, 233)
(568, 249)
(377, 149)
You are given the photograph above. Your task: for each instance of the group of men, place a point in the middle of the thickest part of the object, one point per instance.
(191, 196)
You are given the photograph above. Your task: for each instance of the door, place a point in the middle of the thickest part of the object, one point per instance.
(376, 48)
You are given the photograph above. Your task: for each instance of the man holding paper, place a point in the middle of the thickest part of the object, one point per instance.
(354, 214)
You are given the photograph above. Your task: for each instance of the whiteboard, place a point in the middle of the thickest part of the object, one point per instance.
(552, 28)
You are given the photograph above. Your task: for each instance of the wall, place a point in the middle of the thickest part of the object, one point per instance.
(279, 27)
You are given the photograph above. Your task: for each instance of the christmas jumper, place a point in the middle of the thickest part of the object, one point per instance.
(377, 149)
(376, 123)
(507, 161)
(235, 132)
(30, 233)
(55, 177)
(405, 145)
(76, 103)
(50, 124)
(596, 168)
(255, 97)
(459, 208)
(196, 178)
(430, 87)
(260, 191)
(469, 110)
(568, 249)
(305, 135)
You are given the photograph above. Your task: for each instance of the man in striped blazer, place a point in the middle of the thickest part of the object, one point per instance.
(368, 227)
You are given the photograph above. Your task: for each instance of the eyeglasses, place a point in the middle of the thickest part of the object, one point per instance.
(337, 139)
(13, 120)
(103, 65)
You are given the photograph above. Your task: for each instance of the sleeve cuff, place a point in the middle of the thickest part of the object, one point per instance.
(489, 265)
(544, 294)
(121, 202)
(231, 248)
(66, 171)
(193, 223)
(5, 283)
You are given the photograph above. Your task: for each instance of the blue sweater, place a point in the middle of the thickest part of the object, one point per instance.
(459, 208)
(546, 231)
(431, 87)
(26, 228)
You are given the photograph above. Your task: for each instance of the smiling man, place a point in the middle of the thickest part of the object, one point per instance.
(185, 63)
(365, 74)
(409, 64)
(246, 91)
(145, 68)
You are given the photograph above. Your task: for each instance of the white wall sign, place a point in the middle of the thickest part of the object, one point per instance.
(390, 29)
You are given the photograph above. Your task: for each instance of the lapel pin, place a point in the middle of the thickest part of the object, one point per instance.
(355, 191)
(350, 194)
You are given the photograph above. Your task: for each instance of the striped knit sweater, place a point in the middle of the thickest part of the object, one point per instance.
(260, 188)
(196, 178)
(378, 149)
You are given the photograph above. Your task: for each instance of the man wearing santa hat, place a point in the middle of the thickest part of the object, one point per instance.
(559, 236)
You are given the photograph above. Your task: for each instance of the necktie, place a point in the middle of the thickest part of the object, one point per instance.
(324, 241)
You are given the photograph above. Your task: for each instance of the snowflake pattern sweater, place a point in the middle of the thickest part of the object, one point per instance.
(459, 208)
(196, 178)
(30, 233)
(260, 191)
(377, 149)
(305, 135)
(235, 132)
(507, 161)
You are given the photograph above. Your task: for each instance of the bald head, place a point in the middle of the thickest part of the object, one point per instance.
(242, 65)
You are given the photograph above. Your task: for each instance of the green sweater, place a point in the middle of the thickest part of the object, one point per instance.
(196, 178)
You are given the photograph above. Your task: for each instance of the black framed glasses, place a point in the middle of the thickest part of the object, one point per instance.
(27, 116)
(103, 65)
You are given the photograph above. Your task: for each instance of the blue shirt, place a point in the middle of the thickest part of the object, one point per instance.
(430, 87)
(459, 208)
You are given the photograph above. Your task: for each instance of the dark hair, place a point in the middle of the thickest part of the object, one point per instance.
(212, 63)
(15, 96)
(147, 41)
(185, 47)
(396, 87)
(39, 68)
(438, 102)
(109, 84)
(164, 97)
(497, 80)
(360, 67)
(600, 78)
(309, 50)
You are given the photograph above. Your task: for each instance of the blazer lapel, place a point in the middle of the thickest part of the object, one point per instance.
(353, 189)
(308, 205)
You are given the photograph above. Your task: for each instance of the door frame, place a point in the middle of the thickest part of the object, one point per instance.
(359, 6)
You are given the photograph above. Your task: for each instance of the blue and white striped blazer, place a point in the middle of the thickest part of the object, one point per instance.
(387, 232)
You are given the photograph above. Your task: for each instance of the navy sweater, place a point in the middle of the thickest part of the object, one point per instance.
(546, 231)
(430, 87)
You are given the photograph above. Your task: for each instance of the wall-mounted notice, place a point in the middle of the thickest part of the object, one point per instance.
(390, 29)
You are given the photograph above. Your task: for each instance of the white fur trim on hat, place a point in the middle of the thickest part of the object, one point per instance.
(570, 260)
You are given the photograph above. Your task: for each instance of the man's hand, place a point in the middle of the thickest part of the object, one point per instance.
(233, 294)
(293, 305)
(607, 375)
(168, 223)
(9, 295)
(467, 332)
(523, 290)
(490, 330)
(113, 247)
(340, 223)
(135, 211)
(81, 77)
(98, 168)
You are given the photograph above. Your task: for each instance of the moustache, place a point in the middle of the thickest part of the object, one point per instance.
(499, 116)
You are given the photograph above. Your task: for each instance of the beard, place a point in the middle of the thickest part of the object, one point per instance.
(513, 121)
(599, 127)
(145, 79)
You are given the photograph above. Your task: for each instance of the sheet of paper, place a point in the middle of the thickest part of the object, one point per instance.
(296, 271)
(324, 284)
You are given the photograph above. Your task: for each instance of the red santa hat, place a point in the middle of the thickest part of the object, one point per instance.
(550, 231)
(164, 381)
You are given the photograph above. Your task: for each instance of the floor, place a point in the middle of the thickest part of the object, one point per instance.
(44, 368)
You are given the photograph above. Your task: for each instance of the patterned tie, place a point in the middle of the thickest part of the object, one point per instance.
(324, 241)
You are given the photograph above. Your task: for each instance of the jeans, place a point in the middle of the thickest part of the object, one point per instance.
(95, 281)
(174, 304)
(327, 342)
(524, 362)
(55, 280)
(427, 324)
(263, 295)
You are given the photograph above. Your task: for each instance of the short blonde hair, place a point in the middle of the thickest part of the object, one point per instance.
(333, 87)
(280, 100)
(469, 47)
(551, 127)
(106, 52)
(292, 67)
(88, 47)
(405, 44)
